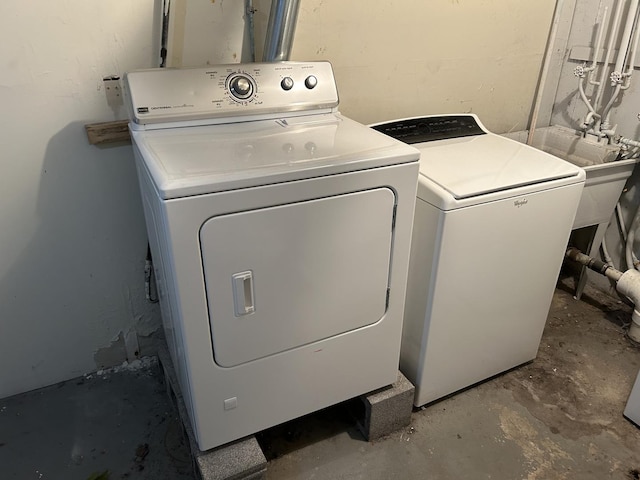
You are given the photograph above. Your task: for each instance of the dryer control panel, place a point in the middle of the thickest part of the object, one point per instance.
(228, 93)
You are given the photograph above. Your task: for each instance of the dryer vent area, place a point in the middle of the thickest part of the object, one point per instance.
(557, 417)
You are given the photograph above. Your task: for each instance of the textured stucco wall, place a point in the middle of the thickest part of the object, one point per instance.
(72, 239)
(405, 58)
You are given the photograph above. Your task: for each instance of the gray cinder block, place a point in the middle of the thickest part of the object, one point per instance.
(241, 460)
(387, 409)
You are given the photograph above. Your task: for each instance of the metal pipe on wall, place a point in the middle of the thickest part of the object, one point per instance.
(249, 11)
(280, 30)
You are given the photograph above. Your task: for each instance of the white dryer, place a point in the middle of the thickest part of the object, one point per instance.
(280, 233)
(491, 226)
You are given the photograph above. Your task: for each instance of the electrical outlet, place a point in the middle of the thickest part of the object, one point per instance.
(113, 90)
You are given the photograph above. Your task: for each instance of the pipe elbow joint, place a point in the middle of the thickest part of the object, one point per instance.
(629, 286)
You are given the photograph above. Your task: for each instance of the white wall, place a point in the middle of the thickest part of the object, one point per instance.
(404, 58)
(72, 241)
(206, 32)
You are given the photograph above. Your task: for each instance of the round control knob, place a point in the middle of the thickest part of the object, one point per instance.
(287, 83)
(310, 82)
(241, 87)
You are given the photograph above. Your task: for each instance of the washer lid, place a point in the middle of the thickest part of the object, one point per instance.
(197, 160)
(471, 166)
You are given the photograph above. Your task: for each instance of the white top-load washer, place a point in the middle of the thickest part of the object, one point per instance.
(280, 233)
(492, 220)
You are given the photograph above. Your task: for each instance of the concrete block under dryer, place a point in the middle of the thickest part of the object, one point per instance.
(387, 410)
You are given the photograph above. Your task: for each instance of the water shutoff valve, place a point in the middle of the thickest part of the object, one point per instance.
(616, 78)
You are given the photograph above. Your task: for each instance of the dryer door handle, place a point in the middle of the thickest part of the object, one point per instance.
(243, 293)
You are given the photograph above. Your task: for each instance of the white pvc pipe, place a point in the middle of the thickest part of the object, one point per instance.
(606, 111)
(623, 227)
(625, 41)
(605, 65)
(594, 62)
(623, 232)
(623, 53)
(629, 141)
(605, 254)
(583, 96)
(632, 56)
(630, 240)
(599, 37)
(545, 69)
(631, 60)
(596, 50)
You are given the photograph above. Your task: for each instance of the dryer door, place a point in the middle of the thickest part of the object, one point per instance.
(290, 275)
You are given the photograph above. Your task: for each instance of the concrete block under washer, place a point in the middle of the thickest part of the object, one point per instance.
(239, 460)
(387, 410)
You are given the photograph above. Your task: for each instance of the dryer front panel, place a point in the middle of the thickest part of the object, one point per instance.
(285, 276)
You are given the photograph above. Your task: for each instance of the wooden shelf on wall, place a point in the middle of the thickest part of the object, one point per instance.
(108, 132)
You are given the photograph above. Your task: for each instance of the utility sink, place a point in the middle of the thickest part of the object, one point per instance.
(605, 176)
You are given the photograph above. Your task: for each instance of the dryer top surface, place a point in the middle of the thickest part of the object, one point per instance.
(197, 160)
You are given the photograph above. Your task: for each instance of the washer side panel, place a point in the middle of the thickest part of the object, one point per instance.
(492, 288)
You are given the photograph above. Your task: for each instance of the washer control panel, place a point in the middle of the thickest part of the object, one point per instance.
(431, 128)
(226, 93)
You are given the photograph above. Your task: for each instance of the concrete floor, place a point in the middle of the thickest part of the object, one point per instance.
(111, 425)
(559, 417)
